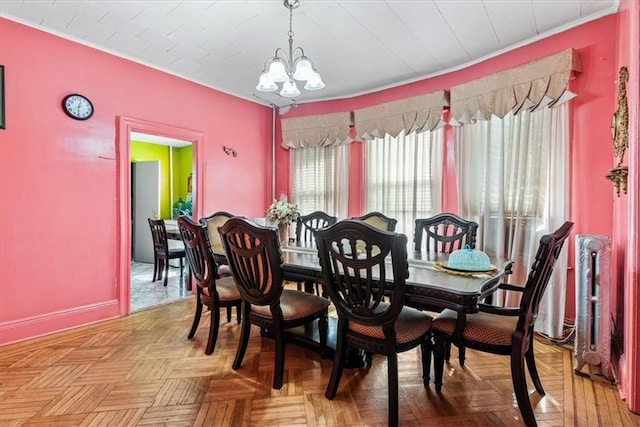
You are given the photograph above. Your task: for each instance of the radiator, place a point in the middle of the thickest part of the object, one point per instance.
(592, 327)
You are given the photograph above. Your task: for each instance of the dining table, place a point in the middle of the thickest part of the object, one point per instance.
(431, 286)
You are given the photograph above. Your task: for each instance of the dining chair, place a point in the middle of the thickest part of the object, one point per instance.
(353, 279)
(161, 251)
(505, 330)
(379, 221)
(254, 256)
(211, 291)
(211, 224)
(444, 233)
(306, 226)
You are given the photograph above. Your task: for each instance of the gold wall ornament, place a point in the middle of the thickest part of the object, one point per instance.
(618, 176)
(620, 121)
(620, 135)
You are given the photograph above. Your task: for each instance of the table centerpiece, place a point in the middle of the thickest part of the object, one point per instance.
(281, 213)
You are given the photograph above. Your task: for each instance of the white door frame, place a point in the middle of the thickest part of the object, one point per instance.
(124, 127)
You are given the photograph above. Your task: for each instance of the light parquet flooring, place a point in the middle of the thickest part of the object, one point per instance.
(142, 371)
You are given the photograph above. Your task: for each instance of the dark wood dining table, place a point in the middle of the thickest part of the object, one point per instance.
(429, 287)
(430, 284)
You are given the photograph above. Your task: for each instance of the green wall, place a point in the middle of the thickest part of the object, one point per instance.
(182, 167)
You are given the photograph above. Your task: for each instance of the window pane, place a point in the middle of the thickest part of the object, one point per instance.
(505, 169)
(403, 176)
(319, 179)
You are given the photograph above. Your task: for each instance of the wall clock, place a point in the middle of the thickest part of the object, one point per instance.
(77, 106)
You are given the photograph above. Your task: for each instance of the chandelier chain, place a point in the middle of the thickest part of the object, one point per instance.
(290, 34)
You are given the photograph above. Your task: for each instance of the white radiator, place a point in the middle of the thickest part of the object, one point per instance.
(593, 325)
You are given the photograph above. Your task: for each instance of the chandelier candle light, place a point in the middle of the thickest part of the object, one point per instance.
(285, 69)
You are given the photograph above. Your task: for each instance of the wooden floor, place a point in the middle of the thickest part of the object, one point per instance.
(141, 370)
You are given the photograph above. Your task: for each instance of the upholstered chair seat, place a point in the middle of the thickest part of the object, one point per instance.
(481, 328)
(227, 289)
(410, 325)
(294, 305)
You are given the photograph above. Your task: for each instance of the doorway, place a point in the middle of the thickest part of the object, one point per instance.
(161, 187)
(126, 127)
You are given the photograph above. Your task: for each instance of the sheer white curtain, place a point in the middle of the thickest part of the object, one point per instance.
(320, 179)
(403, 177)
(513, 180)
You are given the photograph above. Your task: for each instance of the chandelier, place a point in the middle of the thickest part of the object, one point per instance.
(286, 69)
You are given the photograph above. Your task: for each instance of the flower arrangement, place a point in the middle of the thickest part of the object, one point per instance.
(282, 212)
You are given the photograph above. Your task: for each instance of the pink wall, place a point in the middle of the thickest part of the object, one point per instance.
(59, 229)
(626, 227)
(603, 45)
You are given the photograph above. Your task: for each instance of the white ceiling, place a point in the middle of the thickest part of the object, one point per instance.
(156, 139)
(358, 46)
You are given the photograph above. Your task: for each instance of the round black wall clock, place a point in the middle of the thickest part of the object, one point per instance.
(77, 106)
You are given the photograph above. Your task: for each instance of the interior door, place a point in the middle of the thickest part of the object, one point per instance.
(145, 203)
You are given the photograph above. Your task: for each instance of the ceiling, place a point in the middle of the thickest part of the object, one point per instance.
(358, 46)
(159, 140)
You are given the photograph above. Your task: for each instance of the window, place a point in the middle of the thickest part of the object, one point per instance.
(403, 177)
(320, 179)
(507, 162)
(513, 180)
(508, 177)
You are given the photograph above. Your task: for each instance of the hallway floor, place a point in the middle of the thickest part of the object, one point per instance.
(146, 294)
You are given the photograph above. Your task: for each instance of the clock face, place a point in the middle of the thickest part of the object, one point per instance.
(77, 107)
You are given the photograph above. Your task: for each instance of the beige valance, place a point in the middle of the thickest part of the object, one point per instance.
(532, 85)
(322, 130)
(415, 114)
